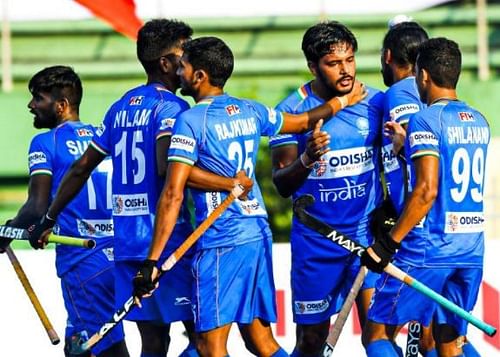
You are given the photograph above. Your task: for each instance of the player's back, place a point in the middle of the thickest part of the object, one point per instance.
(89, 213)
(221, 134)
(129, 134)
(459, 135)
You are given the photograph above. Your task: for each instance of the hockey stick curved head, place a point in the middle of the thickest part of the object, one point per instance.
(303, 202)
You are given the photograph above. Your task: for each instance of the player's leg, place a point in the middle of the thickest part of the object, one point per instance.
(310, 338)
(190, 350)
(155, 338)
(462, 288)
(426, 344)
(213, 343)
(394, 304)
(259, 339)
(88, 292)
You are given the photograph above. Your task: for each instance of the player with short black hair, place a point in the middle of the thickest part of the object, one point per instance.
(447, 167)
(232, 265)
(87, 275)
(337, 164)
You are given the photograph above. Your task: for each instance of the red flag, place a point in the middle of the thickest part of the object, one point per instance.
(120, 14)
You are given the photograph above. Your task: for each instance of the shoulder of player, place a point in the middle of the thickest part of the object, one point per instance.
(294, 102)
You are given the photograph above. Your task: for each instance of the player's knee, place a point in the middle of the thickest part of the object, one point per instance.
(311, 339)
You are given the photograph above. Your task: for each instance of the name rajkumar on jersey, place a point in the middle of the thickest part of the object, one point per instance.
(235, 128)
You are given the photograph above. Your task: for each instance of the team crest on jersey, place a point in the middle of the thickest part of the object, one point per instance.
(363, 126)
(136, 100)
(36, 157)
(466, 116)
(117, 204)
(232, 109)
(84, 132)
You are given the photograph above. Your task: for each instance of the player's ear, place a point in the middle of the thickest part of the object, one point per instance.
(199, 76)
(387, 56)
(313, 67)
(166, 64)
(61, 105)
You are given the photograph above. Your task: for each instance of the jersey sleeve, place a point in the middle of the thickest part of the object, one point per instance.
(270, 120)
(423, 137)
(283, 139)
(40, 155)
(401, 106)
(166, 114)
(184, 144)
(102, 138)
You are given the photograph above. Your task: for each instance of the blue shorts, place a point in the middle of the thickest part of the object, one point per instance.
(395, 303)
(233, 284)
(89, 299)
(321, 278)
(169, 303)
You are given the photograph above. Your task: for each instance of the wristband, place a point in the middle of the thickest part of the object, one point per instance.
(303, 158)
(343, 102)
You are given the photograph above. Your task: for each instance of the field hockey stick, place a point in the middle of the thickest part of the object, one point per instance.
(354, 247)
(166, 266)
(54, 339)
(340, 320)
(7, 232)
(414, 333)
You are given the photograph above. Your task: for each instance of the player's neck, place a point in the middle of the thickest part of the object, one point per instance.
(443, 94)
(69, 116)
(321, 90)
(163, 81)
(209, 91)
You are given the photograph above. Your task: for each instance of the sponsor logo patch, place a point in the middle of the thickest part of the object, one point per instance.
(182, 142)
(136, 100)
(344, 163)
(389, 159)
(36, 157)
(251, 208)
(272, 115)
(464, 222)
(350, 191)
(130, 205)
(310, 307)
(167, 123)
(466, 116)
(182, 300)
(403, 109)
(232, 109)
(213, 200)
(423, 138)
(84, 132)
(95, 227)
(100, 129)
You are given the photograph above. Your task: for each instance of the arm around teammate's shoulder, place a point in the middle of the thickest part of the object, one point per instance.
(299, 123)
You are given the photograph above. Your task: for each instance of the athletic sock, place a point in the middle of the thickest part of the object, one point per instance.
(381, 348)
(189, 351)
(296, 353)
(469, 350)
(149, 354)
(431, 353)
(280, 353)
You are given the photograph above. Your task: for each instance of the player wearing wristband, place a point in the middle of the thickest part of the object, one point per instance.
(447, 182)
(337, 163)
(87, 275)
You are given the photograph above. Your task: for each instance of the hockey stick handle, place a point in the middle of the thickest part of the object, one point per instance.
(76, 242)
(119, 315)
(343, 314)
(54, 338)
(7, 232)
(354, 247)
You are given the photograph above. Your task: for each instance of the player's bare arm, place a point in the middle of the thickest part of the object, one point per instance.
(74, 180)
(290, 169)
(422, 197)
(299, 123)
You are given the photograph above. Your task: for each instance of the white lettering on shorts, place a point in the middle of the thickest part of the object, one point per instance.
(310, 307)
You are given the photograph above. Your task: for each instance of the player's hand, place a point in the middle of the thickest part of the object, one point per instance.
(379, 254)
(356, 95)
(245, 182)
(40, 231)
(143, 282)
(5, 242)
(383, 219)
(397, 134)
(316, 145)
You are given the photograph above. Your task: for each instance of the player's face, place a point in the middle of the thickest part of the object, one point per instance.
(186, 77)
(386, 70)
(43, 107)
(422, 91)
(337, 69)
